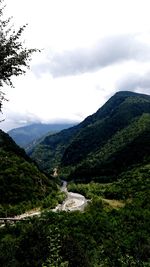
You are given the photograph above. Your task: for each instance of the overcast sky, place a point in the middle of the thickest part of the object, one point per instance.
(90, 50)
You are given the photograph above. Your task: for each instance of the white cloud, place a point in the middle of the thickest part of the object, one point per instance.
(107, 51)
(135, 82)
(50, 99)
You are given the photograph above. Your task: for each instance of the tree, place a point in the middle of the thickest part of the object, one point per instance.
(54, 259)
(14, 57)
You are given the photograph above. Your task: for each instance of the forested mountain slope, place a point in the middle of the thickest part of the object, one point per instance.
(115, 115)
(20, 180)
(93, 145)
(129, 146)
(48, 153)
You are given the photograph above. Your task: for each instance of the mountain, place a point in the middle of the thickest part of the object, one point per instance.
(104, 144)
(128, 147)
(114, 116)
(23, 136)
(20, 179)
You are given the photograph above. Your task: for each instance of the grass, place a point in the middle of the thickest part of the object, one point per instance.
(112, 203)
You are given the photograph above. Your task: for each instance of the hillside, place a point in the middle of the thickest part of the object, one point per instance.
(101, 140)
(23, 136)
(114, 116)
(129, 146)
(48, 153)
(20, 180)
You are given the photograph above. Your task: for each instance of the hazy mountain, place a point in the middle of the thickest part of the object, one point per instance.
(101, 145)
(30, 133)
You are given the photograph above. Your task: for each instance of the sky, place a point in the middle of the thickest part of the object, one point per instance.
(90, 49)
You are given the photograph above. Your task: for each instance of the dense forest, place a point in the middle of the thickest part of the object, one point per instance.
(127, 147)
(105, 234)
(22, 185)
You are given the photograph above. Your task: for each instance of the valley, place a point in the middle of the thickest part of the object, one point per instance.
(81, 196)
(72, 202)
(74, 133)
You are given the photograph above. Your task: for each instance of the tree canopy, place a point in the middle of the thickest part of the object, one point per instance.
(14, 57)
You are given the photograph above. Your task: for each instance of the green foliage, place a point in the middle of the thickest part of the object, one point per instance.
(54, 259)
(130, 183)
(22, 185)
(118, 153)
(97, 237)
(14, 57)
(48, 153)
(8, 145)
(127, 186)
(53, 199)
(89, 190)
(21, 180)
(101, 129)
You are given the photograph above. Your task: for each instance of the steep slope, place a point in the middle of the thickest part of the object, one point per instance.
(116, 114)
(27, 134)
(78, 146)
(127, 148)
(20, 180)
(48, 153)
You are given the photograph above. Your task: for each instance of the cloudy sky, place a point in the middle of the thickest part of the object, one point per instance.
(90, 50)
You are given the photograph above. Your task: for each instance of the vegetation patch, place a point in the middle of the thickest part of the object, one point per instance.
(115, 204)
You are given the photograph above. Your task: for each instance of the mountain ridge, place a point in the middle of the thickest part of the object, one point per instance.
(116, 117)
(69, 148)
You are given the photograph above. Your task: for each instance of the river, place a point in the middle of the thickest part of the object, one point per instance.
(73, 201)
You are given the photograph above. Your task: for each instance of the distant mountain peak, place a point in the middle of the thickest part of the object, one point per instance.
(25, 135)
